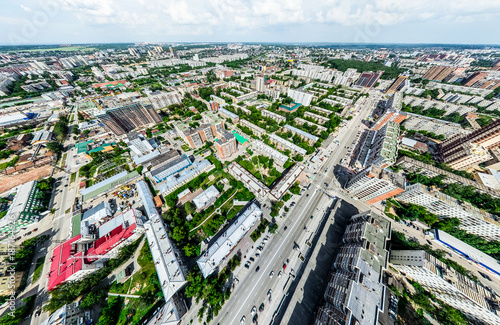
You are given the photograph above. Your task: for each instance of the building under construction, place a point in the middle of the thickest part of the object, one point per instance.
(121, 120)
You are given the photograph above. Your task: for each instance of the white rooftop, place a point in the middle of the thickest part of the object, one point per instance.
(303, 133)
(270, 151)
(221, 248)
(147, 199)
(175, 180)
(167, 266)
(206, 197)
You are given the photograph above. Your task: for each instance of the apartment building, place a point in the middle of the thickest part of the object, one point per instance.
(378, 147)
(300, 96)
(474, 78)
(121, 120)
(397, 84)
(170, 270)
(226, 145)
(309, 138)
(259, 189)
(318, 128)
(472, 220)
(254, 128)
(284, 145)
(355, 293)
(100, 237)
(369, 79)
(162, 99)
(228, 114)
(278, 118)
(318, 118)
(260, 83)
(438, 73)
(375, 184)
(213, 257)
(208, 131)
(464, 150)
(279, 158)
(451, 287)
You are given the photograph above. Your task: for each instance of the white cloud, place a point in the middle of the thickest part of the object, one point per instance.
(26, 8)
(164, 18)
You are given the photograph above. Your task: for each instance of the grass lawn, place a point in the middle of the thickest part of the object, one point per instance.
(146, 280)
(72, 178)
(38, 269)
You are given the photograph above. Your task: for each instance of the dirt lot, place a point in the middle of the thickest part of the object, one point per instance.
(8, 182)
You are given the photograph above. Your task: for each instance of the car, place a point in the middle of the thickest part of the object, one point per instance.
(306, 194)
(484, 275)
(285, 228)
(257, 254)
(257, 269)
(284, 266)
(269, 294)
(312, 217)
(247, 265)
(271, 274)
(252, 259)
(279, 274)
(38, 312)
(254, 310)
(261, 307)
(242, 321)
(254, 320)
(236, 280)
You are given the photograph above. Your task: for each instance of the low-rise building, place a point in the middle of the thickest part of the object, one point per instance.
(257, 131)
(278, 118)
(230, 115)
(284, 145)
(228, 240)
(309, 138)
(173, 182)
(206, 198)
(279, 158)
(318, 118)
(161, 99)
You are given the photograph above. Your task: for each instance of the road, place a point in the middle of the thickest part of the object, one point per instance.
(253, 286)
(58, 226)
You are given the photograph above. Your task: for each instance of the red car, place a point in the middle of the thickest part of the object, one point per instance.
(284, 266)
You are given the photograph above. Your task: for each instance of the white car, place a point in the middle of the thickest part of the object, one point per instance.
(242, 321)
(271, 274)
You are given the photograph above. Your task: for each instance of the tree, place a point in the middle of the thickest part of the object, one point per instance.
(55, 147)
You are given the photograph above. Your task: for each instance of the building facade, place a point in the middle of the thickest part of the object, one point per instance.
(355, 292)
(375, 184)
(446, 284)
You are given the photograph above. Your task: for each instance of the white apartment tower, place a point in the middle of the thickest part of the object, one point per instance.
(472, 220)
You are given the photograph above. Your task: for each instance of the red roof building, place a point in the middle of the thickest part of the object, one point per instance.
(104, 239)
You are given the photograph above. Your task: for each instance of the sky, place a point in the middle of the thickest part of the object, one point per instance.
(343, 21)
